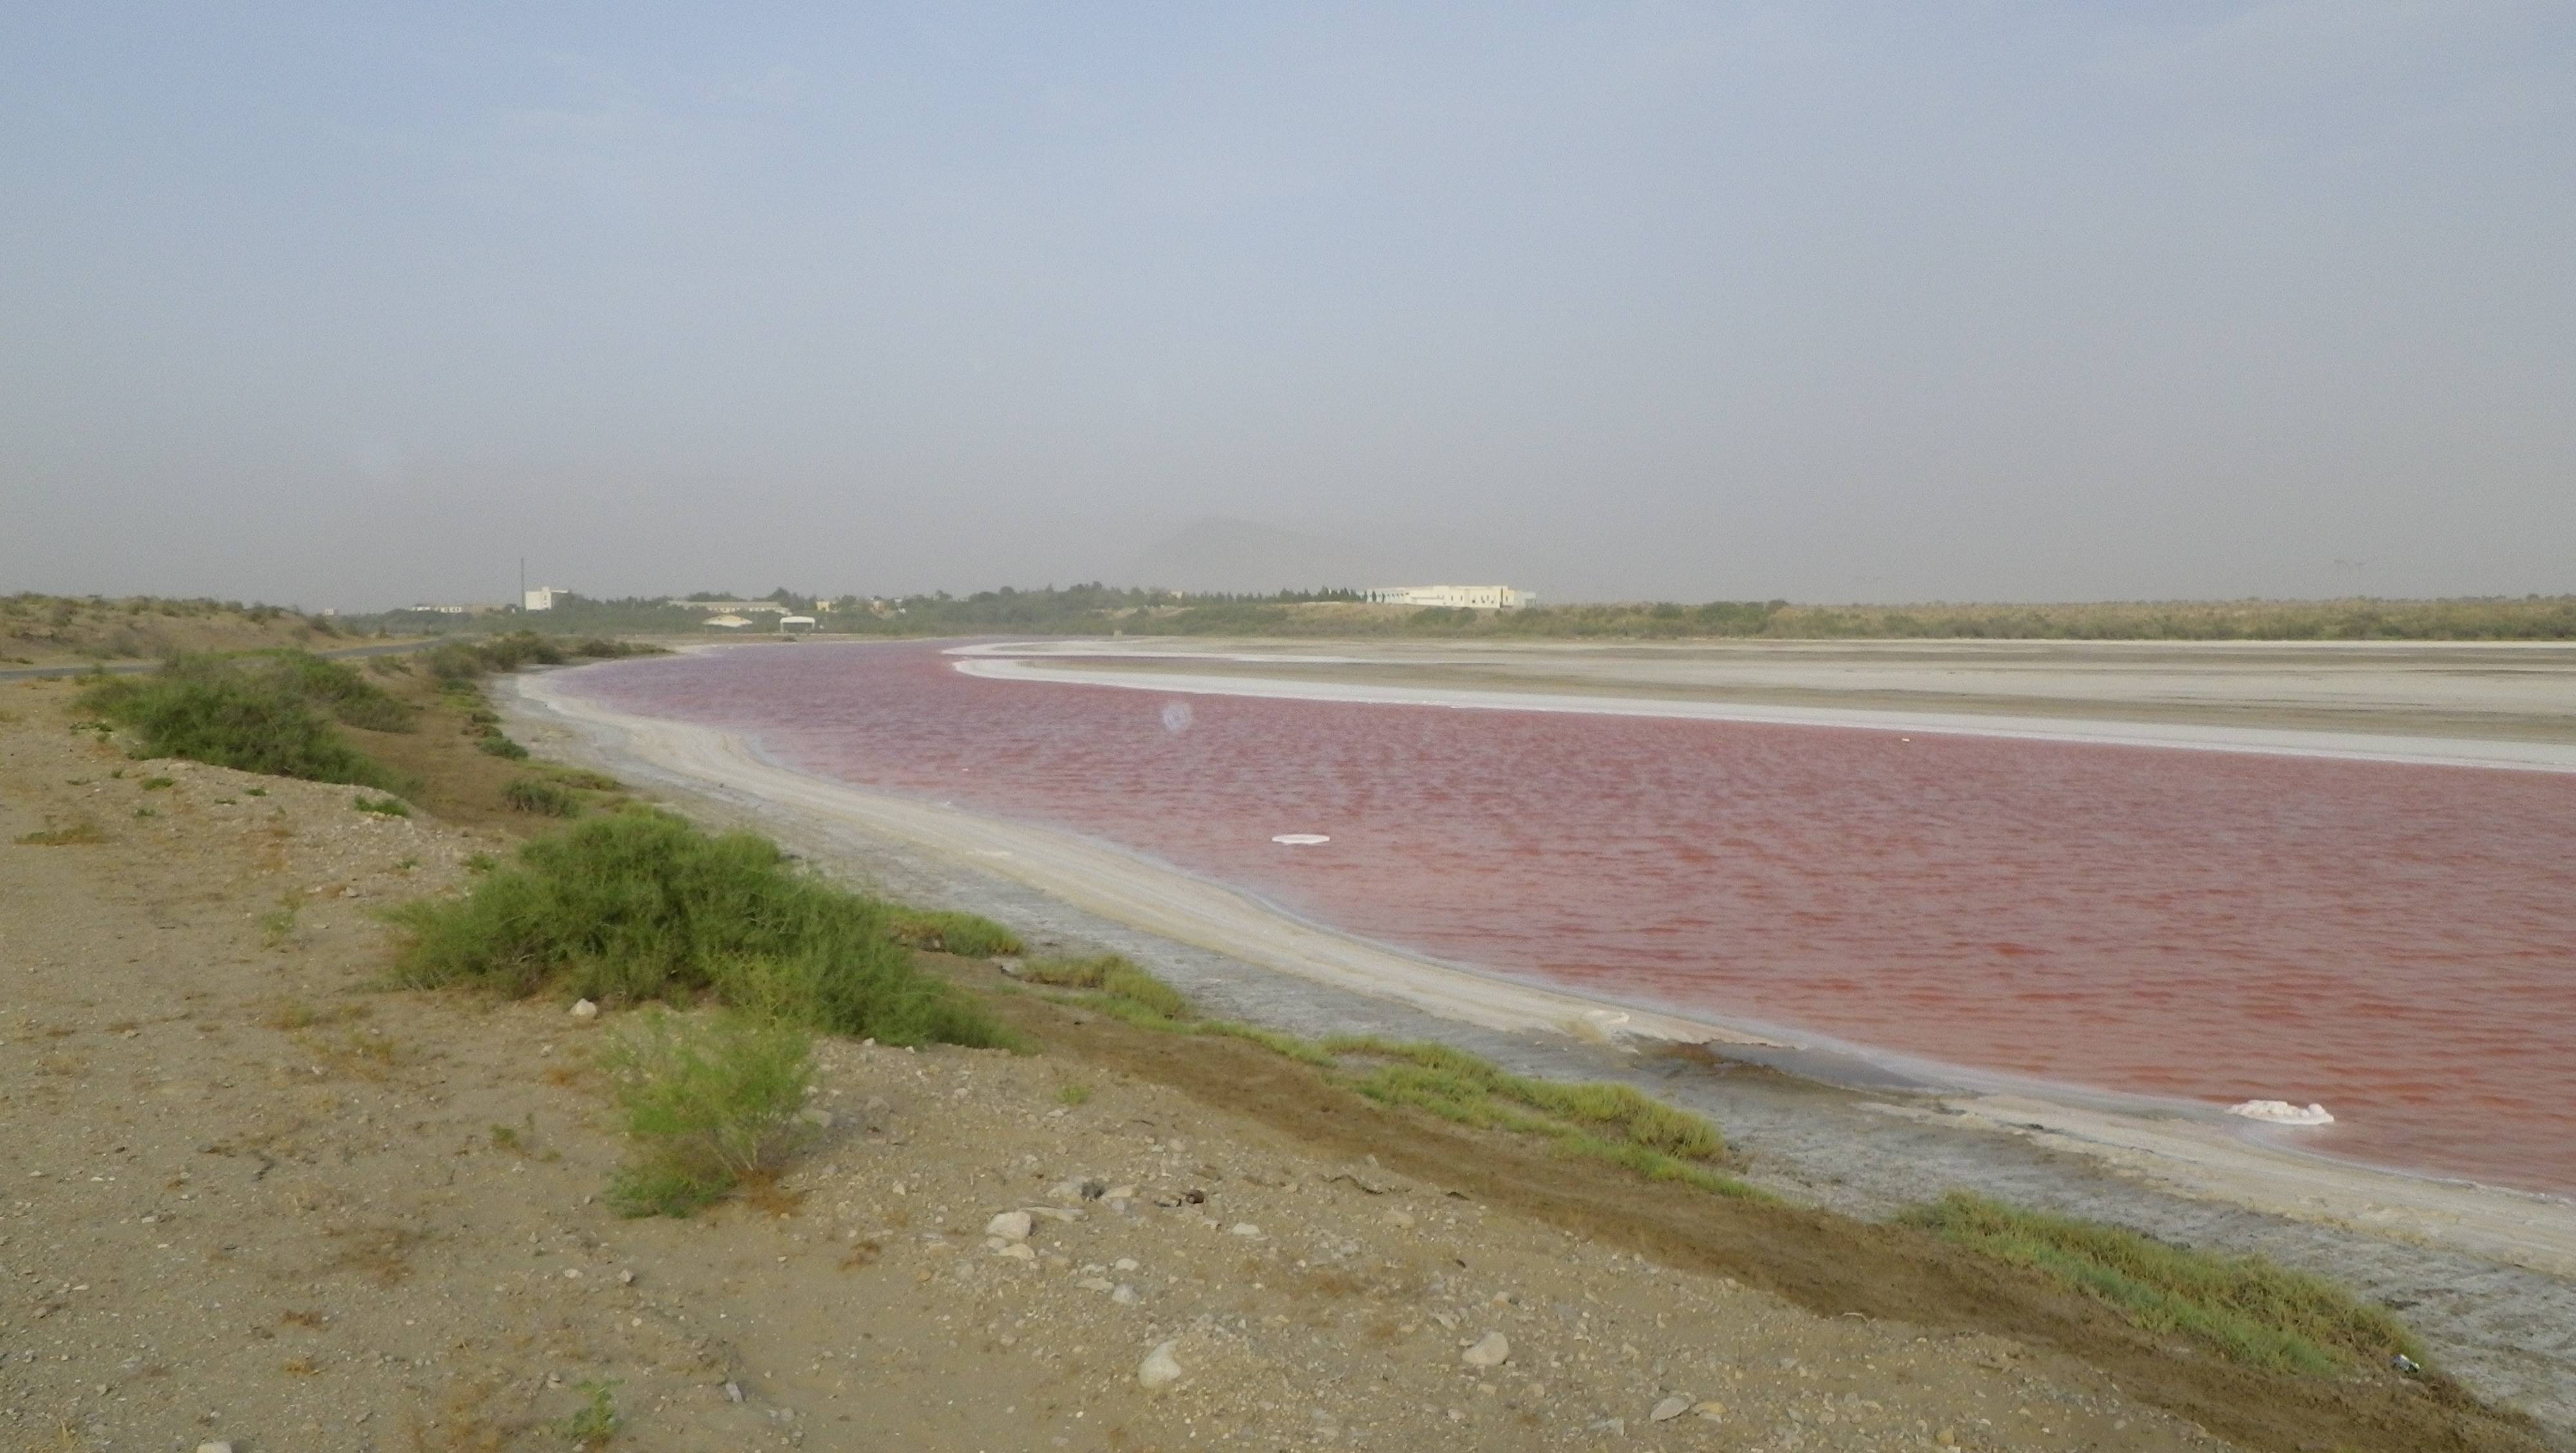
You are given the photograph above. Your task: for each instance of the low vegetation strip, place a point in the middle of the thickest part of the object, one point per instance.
(941, 930)
(273, 712)
(1607, 1122)
(2252, 1310)
(467, 660)
(639, 905)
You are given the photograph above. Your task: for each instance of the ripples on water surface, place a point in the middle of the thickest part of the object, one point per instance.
(2398, 942)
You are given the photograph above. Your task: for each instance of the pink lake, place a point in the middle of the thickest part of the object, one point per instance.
(2398, 942)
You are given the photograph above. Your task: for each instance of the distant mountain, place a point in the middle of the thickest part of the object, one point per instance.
(1239, 556)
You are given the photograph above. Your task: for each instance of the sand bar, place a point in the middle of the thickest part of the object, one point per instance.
(2201, 707)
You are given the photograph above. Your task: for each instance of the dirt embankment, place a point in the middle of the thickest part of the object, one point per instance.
(248, 1197)
(53, 630)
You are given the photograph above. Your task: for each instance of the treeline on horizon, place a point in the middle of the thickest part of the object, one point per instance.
(115, 626)
(1096, 609)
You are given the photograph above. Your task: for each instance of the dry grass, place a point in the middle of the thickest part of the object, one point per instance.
(379, 1254)
(82, 831)
(467, 1422)
(357, 1054)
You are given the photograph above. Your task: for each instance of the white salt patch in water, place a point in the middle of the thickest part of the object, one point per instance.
(2281, 1112)
(1300, 839)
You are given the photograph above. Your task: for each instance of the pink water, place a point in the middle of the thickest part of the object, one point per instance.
(2398, 942)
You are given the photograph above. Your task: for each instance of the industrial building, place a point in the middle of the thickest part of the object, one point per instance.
(1455, 597)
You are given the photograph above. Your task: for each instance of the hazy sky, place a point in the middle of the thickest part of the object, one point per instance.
(355, 305)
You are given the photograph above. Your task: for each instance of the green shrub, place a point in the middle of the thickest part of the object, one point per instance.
(2247, 1307)
(497, 745)
(641, 905)
(600, 648)
(708, 1104)
(544, 798)
(156, 784)
(269, 714)
(384, 806)
(941, 930)
(341, 691)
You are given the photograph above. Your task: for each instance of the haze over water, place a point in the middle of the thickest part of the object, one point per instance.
(2397, 942)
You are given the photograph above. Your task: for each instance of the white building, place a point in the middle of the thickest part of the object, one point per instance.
(735, 607)
(795, 625)
(1455, 597)
(542, 597)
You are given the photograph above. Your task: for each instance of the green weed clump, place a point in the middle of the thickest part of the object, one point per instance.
(384, 806)
(497, 745)
(641, 905)
(596, 1422)
(271, 713)
(941, 930)
(2247, 1307)
(539, 796)
(1119, 982)
(709, 1104)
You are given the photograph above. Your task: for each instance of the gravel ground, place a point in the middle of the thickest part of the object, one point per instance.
(248, 1198)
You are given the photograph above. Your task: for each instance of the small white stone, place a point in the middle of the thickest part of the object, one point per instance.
(1009, 1225)
(214, 1448)
(1669, 1409)
(1124, 1295)
(1094, 1283)
(1159, 1369)
(1491, 1350)
(1246, 1228)
(1019, 1251)
(584, 1009)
